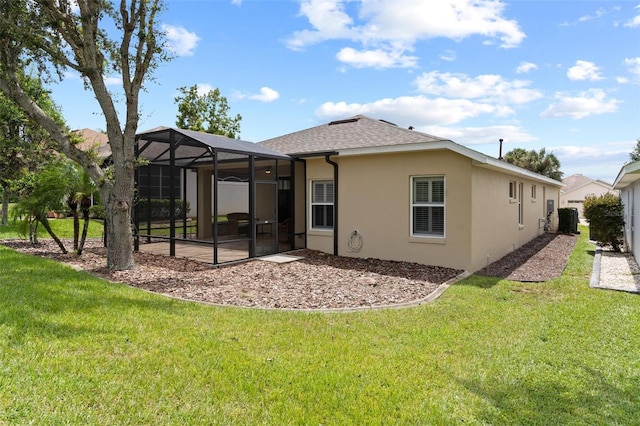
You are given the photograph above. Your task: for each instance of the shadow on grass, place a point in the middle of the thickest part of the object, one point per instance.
(593, 399)
(33, 291)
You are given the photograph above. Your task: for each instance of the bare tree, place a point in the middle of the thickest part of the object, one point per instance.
(70, 34)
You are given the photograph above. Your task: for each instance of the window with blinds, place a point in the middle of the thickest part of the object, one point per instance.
(322, 204)
(427, 206)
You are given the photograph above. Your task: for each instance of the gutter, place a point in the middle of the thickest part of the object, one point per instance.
(327, 158)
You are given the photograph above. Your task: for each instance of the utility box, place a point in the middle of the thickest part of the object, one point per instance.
(550, 206)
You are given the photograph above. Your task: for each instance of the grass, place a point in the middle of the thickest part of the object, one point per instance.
(75, 349)
(62, 227)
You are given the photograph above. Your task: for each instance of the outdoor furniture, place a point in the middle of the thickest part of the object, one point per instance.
(238, 223)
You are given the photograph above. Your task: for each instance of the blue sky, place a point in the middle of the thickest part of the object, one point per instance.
(560, 75)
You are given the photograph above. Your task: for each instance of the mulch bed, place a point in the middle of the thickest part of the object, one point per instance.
(541, 259)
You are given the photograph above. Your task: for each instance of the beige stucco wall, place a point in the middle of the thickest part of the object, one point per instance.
(480, 219)
(496, 228)
(374, 199)
(576, 197)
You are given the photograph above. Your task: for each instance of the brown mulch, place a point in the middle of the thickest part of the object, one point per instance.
(541, 259)
(318, 281)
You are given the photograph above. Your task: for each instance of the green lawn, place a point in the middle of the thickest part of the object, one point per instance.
(78, 350)
(63, 228)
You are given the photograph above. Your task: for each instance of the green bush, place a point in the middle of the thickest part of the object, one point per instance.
(159, 209)
(606, 219)
(96, 211)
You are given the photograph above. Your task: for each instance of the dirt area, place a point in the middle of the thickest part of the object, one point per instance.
(317, 281)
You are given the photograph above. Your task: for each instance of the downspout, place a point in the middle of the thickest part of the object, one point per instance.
(335, 202)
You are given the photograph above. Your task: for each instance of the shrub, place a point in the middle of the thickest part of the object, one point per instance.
(96, 211)
(606, 220)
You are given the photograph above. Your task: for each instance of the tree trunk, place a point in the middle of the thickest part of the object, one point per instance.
(5, 207)
(47, 226)
(86, 216)
(117, 200)
(73, 206)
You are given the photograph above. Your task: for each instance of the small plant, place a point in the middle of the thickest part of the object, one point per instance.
(606, 219)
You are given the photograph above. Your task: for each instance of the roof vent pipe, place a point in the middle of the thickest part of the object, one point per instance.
(500, 157)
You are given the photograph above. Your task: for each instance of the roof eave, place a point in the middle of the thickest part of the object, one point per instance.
(478, 158)
(628, 174)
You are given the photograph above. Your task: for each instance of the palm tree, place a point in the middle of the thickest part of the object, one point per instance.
(538, 162)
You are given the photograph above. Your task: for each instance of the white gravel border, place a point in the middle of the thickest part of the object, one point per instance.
(615, 271)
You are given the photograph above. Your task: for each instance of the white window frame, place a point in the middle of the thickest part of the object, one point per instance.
(313, 203)
(442, 204)
(520, 204)
(534, 192)
(513, 193)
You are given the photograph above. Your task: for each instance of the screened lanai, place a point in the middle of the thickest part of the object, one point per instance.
(213, 198)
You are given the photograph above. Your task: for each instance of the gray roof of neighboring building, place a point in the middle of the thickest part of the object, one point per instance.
(355, 132)
(578, 180)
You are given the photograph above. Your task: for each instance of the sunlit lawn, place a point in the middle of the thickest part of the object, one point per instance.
(78, 350)
(63, 228)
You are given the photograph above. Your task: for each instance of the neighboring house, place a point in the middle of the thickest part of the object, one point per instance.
(93, 140)
(375, 190)
(578, 188)
(628, 183)
(360, 187)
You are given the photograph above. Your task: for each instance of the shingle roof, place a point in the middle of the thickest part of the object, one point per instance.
(355, 132)
(92, 139)
(577, 180)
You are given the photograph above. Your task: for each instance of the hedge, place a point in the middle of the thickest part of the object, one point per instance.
(605, 215)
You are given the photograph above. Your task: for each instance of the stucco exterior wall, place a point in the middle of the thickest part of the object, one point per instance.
(576, 197)
(374, 199)
(481, 219)
(497, 230)
(630, 196)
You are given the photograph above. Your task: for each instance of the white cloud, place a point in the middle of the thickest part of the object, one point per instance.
(633, 22)
(592, 102)
(179, 40)
(482, 135)
(204, 88)
(418, 110)
(113, 81)
(378, 58)
(448, 55)
(584, 70)
(393, 28)
(266, 95)
(599, 13)
(525, 67)
(634, 66)
(486, 87)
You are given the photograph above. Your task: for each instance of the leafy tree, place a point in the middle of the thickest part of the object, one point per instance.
(538, 162)
(71, 34)
(23, 143)
(41, 192)
(635, 154)
(206, 113)
(78, 200)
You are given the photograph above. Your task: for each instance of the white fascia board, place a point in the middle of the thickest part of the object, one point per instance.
(628, 174)
(479, 159)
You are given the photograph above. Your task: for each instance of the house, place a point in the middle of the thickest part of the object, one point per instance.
(375, 190)
(357, 187)
(93, 140)
(628, 183)
(578, 188)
